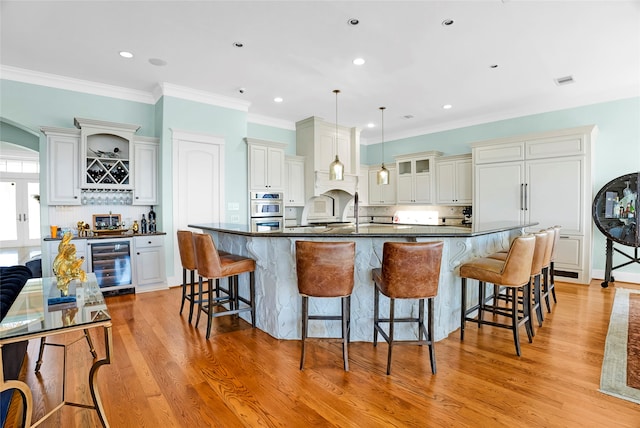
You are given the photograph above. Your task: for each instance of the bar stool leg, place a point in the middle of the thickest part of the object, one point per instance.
(538, 299)
(252, 297)
(463, 308)
(184, 289)
(345, 332)
(481, 299)
(376, 316)
(432, 350)
(210, 307)
(526, 309)
(392, 304)
(192, 286)
(305, 320)
(514, 322)
(199, 299)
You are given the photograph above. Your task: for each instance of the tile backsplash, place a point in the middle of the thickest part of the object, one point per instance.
(67, 217)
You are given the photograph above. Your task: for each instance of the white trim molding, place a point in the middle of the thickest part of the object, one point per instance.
(271, 121)
(76, 85)
(182, 92)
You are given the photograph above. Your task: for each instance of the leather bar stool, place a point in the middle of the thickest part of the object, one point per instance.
(514, 272)
(410, 270)
(542, 247)
(326, 269)
(213, 265)
(187, 252)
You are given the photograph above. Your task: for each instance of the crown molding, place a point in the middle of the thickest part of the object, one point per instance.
(271, 121)
(182, 92)
(76, 85)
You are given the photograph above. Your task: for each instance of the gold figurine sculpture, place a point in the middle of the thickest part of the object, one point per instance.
(66, 266)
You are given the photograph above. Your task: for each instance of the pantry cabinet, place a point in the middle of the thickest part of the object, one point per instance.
(294, 181)
(544, 178)
(415, 184)
(266, 165)
(454, 180)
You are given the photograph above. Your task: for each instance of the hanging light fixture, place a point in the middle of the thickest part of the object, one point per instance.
(383, 173)
(336, 169)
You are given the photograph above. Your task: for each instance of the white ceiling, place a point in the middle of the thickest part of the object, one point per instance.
(302, 50)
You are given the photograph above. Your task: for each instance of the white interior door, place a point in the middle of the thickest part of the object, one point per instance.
(198, 184)
(20, 214)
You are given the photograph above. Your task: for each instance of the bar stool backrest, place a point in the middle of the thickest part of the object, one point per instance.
(543, 239)
(546, 261)
(517, 266)
(207, 257)
(187, 250)
(325, 269)
(411, 270)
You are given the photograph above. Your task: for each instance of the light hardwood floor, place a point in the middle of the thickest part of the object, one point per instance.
(165, 374)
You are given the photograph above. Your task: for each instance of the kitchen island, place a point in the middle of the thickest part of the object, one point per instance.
(278, 302)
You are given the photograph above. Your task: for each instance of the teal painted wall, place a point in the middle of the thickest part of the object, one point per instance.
(270, 133)
(34, 106)
(12, 134)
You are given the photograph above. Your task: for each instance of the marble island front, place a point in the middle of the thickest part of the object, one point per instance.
(277, 299)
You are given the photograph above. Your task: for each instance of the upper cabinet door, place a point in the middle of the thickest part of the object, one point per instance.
(145, 191)
(62, 164)
(266, 165)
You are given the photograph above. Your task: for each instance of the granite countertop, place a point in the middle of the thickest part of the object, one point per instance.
(114, 236)
(367, 230)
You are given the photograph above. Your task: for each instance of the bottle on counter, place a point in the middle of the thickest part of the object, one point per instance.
(143, 225)
(135, 226)
(152, 221)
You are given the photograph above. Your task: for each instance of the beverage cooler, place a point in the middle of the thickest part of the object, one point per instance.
(110, 260)
(615, 215)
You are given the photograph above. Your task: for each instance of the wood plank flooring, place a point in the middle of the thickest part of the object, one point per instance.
(166, 374)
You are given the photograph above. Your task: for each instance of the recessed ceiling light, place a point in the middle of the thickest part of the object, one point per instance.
(371, 125)
(447, 106)
(447, 22)
(493, 66)
(353, 21)
(157, 62)
(278, 99)
(358, 61)
(238, 44)
(125, 54)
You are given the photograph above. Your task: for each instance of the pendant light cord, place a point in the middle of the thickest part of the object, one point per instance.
(382, 126)
(336, 91)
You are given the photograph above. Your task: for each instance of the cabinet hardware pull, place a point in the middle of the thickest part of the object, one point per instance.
(521, 196)
(526, 197)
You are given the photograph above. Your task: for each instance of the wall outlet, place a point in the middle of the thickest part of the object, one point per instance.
(234, 218)
(233, 206)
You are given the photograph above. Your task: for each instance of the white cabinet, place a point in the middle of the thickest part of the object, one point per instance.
(107, 154)
(266, 165)
(543, 178)
(294, 181)
(149, 263)
(454, 180)
(146, 151)
(415, 183)
(317, 141)
(382, 194)
(63, 173)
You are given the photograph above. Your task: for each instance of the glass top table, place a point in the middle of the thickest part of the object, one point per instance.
(39, 311)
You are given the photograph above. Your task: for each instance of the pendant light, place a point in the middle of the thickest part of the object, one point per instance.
(383, 173)
(336, 169)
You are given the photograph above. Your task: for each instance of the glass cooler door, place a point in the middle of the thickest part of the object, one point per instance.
(111, 263)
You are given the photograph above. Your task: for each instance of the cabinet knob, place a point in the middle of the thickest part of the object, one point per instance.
(149, 242)
(137, 197)
(138, 253)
